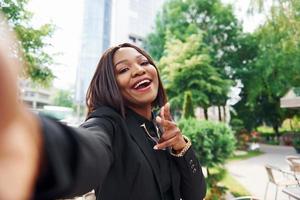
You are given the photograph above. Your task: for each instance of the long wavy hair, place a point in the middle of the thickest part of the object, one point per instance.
(104, 90)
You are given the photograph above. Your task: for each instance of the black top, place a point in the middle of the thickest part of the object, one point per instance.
(162, 156)
(113, 156)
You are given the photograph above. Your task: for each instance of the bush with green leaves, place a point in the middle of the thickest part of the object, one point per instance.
(296, 141)
(213, 142)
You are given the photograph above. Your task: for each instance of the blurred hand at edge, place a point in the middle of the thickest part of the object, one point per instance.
(20, 138)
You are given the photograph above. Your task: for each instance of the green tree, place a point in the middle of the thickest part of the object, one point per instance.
(188, 108)
(181, 19)
(243, 61)
(186, 67)
(32, 40)
(217, 28)
(273, 70)
(63, 98)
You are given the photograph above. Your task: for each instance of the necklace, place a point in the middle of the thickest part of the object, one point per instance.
(155, 138)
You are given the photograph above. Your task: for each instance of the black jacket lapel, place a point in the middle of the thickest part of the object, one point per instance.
(138, 136)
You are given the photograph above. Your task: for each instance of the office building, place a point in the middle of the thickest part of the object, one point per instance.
(132, 20)
(95, 39)
(33, 95)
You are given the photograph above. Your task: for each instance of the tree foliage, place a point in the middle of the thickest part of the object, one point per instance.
(32, 40)
(180, 19)
(187, 67)
(271, 68)
(194, 40)
(63, 98)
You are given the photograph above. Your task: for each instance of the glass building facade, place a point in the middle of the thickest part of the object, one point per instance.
(132, 20)
(94, 40)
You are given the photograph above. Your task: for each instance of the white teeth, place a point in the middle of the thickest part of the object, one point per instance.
(140, 83)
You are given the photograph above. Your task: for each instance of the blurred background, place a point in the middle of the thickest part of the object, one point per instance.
(231, 70)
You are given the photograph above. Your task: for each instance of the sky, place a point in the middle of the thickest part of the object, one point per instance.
(67, 16)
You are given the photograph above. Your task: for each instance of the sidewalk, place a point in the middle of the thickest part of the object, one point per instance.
(252, 175)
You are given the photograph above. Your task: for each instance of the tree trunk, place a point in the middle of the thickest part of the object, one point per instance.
(219, 113)
(207, 171)
(224, 113)
(205, 113)
(276, 129)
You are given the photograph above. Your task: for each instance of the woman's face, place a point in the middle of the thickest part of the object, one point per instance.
(136, 77)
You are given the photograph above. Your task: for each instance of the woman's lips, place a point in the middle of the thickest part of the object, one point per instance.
(143, 89)
(141, 82)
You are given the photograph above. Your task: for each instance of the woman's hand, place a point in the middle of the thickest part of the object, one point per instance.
(171, 136)
(20, 138)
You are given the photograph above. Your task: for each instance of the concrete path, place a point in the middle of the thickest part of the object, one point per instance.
(251, 173)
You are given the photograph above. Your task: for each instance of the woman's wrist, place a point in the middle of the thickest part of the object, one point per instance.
(180, 145)
(181, 151)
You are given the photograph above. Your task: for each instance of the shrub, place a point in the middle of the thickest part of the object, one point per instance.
(188, 108)
(213, 142)
(296, 143)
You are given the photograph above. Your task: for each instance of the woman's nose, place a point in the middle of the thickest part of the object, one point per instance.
(138, 70)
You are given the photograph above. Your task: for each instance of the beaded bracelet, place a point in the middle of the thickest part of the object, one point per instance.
(186, 147)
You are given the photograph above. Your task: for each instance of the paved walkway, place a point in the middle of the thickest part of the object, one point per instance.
(251, 173)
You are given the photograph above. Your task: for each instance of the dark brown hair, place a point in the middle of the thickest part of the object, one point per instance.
(103, 89)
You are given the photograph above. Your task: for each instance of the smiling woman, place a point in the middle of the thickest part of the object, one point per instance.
(114, 145)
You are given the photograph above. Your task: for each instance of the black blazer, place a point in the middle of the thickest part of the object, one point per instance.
(108, 154)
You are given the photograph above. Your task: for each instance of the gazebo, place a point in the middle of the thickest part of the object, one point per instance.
(291, 99)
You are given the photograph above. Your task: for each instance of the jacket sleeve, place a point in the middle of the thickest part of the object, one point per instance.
(76, 160)
(192, 184)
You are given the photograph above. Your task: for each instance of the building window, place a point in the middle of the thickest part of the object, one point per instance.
(132, 39)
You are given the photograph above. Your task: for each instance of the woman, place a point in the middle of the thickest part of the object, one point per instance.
(122, 150)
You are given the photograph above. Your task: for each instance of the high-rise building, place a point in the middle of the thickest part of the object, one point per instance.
(107, 23)
(95, 39)
(132, 20)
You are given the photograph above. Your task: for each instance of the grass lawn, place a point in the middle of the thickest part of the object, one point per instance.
(247, 155)
(229, 182)
(234, 187)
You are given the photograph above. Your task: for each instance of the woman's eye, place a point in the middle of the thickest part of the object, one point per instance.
(145, 63)
(123, 70)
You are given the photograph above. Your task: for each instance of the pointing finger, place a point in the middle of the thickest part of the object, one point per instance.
(167, 112)
(165, 123)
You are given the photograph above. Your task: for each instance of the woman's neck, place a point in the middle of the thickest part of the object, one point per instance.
(143, 111)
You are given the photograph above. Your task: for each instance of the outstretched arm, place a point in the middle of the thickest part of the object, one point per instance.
(39, 157)
(76, 160)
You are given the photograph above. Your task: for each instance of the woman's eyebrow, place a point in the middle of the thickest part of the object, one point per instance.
(125, 60)
(140, 56)
(121, 61)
